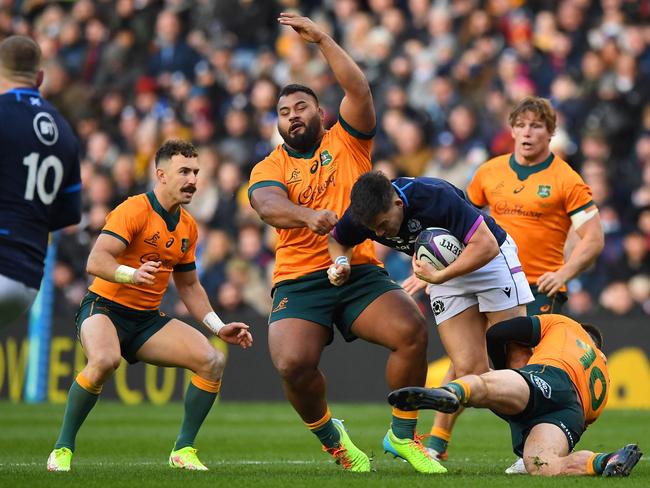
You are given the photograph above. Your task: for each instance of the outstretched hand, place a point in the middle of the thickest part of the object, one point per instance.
(304, 26)
(236, 333)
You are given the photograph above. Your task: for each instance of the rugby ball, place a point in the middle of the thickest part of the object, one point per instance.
(437, 246)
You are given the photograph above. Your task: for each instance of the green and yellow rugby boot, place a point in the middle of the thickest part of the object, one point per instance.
(59, 459)
(186, 458)
(414, 452)
(349, 456)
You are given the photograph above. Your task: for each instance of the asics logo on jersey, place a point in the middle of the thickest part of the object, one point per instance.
(517, 190)
(45, 128)
(153, 240)
(169, 243)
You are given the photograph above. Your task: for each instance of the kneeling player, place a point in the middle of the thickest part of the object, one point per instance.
(548, 403)
(144, 240)
(485, 285)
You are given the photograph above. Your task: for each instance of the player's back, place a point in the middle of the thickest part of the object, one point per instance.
(566, 345)
(39, 182)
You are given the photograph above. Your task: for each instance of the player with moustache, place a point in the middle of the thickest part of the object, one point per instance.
(146, 240)
(300, 189)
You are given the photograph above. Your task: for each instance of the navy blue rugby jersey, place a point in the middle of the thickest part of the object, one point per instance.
(40, 184)
(428, 202)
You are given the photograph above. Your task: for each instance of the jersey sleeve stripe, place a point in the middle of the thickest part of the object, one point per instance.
(181, 268)
(262, 184)
(586, 205)
(117, 236)
(354, 132)
(473, 229)
(72, 188)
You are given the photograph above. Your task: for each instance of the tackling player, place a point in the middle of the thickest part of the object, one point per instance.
(40, 185)
(536, 197)
(300, 188)
(548, 403)
(145, 240)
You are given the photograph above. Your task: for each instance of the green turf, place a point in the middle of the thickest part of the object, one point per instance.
(265, 445)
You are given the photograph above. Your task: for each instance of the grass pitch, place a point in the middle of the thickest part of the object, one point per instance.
(266, 445)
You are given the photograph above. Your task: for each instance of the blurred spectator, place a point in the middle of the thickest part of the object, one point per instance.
(128, 74)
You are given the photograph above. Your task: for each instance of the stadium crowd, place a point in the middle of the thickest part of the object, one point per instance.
(129, 74)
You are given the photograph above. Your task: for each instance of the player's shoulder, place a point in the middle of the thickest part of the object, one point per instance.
(188, 220)
(277, 156)
(494, 166)
(135, 205)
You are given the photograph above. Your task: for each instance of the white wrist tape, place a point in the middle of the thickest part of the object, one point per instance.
(125, 274)
(342, 260)
(213, 322)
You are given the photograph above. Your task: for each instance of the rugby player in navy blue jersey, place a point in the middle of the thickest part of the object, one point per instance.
(483, 286)
(40, 185)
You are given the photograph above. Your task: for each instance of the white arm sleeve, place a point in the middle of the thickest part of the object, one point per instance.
(579, 218)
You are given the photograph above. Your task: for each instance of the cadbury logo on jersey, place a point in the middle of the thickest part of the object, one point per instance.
(311, 192)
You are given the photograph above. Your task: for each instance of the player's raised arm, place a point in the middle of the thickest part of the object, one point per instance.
(274, 208)
(196, 300)
(356, 108)
(102, 262)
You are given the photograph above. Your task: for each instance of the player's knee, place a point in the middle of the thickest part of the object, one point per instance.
(292, 368)
(411, 333)
(104, 364)
(213, 363)
(543, 465)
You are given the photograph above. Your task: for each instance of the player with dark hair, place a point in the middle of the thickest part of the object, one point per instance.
(300, 188)
(40, 184)
(548, 403)
(483, 286)
(146, 239)
(537, 197)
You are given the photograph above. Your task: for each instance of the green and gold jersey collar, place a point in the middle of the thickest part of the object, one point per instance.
(523, 172)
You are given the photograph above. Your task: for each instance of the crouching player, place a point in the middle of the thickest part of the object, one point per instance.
(548, 403)
(144, 240)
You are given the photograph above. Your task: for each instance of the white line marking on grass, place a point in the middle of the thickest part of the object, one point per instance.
(241, 462)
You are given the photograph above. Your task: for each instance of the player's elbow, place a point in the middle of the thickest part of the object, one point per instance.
(491, 249)
(93, 264)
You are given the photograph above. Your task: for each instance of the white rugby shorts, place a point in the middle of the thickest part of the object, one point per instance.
(15, 299)
(499, 285)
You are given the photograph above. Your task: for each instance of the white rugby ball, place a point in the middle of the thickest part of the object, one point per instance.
(437, 246)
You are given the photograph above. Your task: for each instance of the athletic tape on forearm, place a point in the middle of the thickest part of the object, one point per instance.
(125, 274)
(342, 260)
(213, 322)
